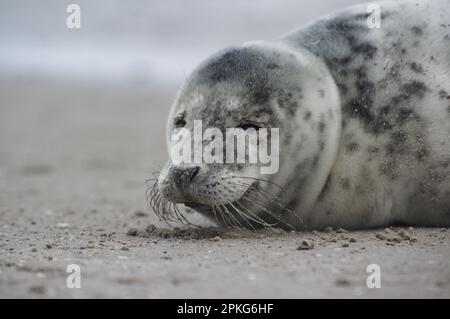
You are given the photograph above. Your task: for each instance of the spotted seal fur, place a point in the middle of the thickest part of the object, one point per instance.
(364, 119)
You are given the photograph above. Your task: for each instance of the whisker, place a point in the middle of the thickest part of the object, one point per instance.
(258, 219)
(275, 199)
(245, 216)
(272, 214)
(224, 217)
(253, 190)
(235, 220)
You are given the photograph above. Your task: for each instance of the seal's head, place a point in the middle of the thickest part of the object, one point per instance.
(258, 85)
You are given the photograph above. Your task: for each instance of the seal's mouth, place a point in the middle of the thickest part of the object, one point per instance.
(204, 208)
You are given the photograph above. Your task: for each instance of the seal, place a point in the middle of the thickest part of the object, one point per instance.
(364, 121)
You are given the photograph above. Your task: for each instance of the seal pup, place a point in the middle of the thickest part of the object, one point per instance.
(363, 115)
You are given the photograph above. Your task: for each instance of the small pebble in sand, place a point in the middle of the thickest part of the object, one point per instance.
(48, 246)
(132, 232)
(306, 245)
(37, 289)
(124, 248)
(341, 282)
(406, 236)
(380, 236)
(390, 244)
(140, 213)
(352, 240)
(341, 231)
(217, 238)
(345, 245)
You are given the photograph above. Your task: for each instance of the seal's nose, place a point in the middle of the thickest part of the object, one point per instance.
(183, 176)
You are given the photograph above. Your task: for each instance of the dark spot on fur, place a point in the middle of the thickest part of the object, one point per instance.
(422, 153)
(404, 114)
(345, 183)
(382, 121)
(321, 145)
(417, 30)
(260, 96)
(322, 126)
(351, 147)
(351, 29)
(445, 163)
(415, 88)
(307, 116)
(416, 67)
(359, 109)
(388, 168)
(397, 142)
(285, 101)
(272, 66)
(373, 149)
(367, 49)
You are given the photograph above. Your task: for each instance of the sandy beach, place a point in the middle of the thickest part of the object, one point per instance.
(73, 162)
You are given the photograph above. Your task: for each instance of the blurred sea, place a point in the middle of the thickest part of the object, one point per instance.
(137, 42)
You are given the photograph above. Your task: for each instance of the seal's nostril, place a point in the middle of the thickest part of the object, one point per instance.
(183, 176)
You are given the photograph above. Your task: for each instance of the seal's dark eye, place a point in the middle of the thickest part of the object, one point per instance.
(246, 126)
(180, 123)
